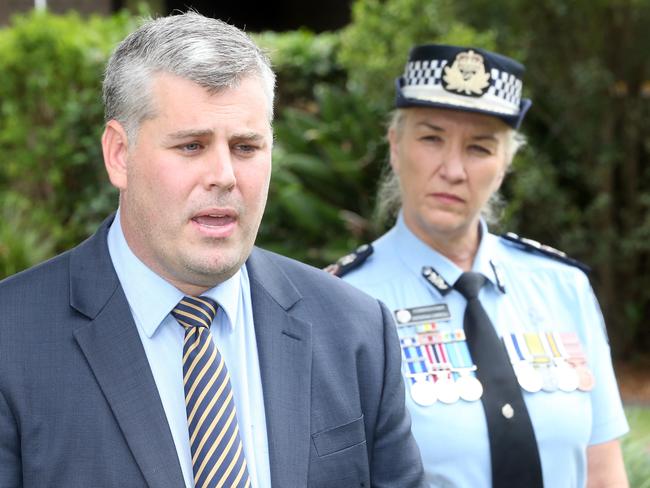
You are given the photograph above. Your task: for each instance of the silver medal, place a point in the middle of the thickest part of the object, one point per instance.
(447, 390)
(423, 392)
(469, 387)
(549, 378)
(567, 377)
(528, 377)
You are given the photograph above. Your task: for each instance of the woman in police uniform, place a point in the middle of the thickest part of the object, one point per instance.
(505, 357)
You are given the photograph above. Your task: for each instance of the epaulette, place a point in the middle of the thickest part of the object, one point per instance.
(534, 246)
(350, 261)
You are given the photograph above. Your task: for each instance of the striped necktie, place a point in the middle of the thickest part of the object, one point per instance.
(217, 452)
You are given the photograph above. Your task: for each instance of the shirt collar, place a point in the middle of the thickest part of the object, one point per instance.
(151, 297)
(415, 254)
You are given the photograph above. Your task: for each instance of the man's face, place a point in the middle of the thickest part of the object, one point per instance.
(196, 180)
(449, 163)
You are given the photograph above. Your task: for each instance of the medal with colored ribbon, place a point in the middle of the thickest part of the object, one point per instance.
(469, 387)
(541, 361)
(527, 376)
(446, 388)
(576, 357)
(421, 383)
(436, 363)
(567, 376)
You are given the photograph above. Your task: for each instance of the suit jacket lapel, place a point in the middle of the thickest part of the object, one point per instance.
(113, 349)
(284, 349)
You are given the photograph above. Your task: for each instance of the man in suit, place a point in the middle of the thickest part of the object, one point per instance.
(111, 371)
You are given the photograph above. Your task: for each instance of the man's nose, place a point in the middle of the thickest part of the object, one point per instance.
(220, 171)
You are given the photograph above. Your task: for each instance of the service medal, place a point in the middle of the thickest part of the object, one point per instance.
(469, 387)
(446, 388)
(528, 377)
(567, 377)
(549, 378)
(586, 380)
(576, 357)
(423, 392)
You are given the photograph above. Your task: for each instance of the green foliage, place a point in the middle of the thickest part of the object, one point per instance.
(324, 176)
(23, 238)
(301, 59)
(50, 123)
(636, 447)
(375, 46)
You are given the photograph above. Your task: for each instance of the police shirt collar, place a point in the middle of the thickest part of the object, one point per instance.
(486, 261)
(416, 254)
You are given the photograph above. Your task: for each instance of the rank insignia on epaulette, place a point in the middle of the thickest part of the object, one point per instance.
(531, 245)
(350, 261)
(436, 280)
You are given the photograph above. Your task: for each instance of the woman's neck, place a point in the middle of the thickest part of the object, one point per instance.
(459, 246)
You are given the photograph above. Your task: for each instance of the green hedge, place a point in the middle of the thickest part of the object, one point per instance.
(52, 184)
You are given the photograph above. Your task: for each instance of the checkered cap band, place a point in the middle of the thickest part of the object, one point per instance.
(504, 87)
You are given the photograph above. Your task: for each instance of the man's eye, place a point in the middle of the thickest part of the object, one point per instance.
(245, 148)
(191, 147)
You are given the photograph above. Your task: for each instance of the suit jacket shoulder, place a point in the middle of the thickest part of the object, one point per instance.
(336, 359)
(75, 385)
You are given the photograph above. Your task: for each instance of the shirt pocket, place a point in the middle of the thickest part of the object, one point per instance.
(338, 438)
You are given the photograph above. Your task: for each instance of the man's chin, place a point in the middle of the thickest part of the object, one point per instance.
(217, 269)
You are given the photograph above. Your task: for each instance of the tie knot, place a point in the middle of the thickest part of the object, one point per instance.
(469, 284)
(195, 311)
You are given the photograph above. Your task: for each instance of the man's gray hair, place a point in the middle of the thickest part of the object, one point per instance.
(209, 52)
(389, 196)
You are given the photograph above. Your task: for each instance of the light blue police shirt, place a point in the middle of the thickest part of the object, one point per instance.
(151, 300)
(541, 294)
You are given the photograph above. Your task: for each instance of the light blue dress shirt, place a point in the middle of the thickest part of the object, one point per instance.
(541, 294)
(151, 300)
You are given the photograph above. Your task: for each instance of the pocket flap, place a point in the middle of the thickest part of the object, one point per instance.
(338, 438)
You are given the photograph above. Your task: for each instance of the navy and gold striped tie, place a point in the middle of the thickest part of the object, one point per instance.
(217, 452)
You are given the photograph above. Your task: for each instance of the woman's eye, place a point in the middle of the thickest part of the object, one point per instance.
(480, 149)
(431, 138)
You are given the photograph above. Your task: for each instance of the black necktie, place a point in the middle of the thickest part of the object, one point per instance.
(513, 447)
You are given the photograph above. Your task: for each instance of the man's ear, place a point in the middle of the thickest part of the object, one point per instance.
(115, 147)
(394, 149)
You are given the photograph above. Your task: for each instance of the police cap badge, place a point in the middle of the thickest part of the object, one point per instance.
(467, 79)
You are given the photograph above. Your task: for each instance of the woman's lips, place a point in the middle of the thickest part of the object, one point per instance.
(447, 197)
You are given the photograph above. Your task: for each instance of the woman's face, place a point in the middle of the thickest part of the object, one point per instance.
(449, 163)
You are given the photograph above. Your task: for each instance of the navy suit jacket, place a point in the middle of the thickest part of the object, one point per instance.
(79, 406)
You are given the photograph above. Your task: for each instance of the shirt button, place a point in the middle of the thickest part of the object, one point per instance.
(507, 411)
